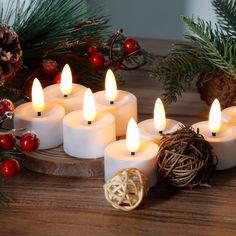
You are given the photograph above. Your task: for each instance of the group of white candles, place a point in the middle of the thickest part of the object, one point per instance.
(88, 125)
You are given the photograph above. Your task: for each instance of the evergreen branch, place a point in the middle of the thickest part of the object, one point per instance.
(178, 69)
(226, 15)
(214, 46)
(45, 24)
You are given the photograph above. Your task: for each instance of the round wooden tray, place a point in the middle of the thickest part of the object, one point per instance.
(56, 162)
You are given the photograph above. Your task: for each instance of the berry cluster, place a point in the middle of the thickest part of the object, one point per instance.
(29, 141)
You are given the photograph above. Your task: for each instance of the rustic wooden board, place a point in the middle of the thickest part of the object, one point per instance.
(56, 162)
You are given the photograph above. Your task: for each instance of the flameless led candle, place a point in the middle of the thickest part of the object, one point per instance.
(67, 94)
(152, 129)
(132, 153)
(229, 115)
(87, 132)
(122, 104)
(220, 135)
(43, 118)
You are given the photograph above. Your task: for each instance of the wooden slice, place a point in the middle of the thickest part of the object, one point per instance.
(56, 162)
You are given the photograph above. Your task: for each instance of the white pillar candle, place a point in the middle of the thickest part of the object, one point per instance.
(153, 129)
(229, 115)
(221, 136)
(86, 132)
(44, 119)
(122, 104)
(130, 153)
(67, 94)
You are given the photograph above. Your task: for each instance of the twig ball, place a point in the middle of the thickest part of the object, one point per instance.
(185, 158)
(126, 189)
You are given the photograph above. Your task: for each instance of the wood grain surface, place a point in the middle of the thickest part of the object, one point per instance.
(55, 161)
(50, 205)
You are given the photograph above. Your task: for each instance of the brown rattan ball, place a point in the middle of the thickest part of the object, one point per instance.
(126, 189)
(185, 158)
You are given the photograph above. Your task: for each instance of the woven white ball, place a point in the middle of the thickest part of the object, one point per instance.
(126, 189)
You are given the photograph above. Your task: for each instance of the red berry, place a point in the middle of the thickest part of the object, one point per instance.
(7, 141)
(130, 45)
(57, 79)
(10, 168)
(6, 105)
(29, 142)
(92, 49)
(97, 60)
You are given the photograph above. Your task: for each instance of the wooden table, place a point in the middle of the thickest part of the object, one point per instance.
(47, 205)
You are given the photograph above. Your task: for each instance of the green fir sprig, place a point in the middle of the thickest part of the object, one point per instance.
(211, 48)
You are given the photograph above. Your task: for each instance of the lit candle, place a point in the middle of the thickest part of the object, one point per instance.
(87, 132)
(132, 153)
(122, 104)
(153, 129)
(43, 118)
(229, 115)
(67, 94)
(221, 136)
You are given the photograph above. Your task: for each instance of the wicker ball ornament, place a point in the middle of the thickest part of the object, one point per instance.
(126, 189)
(185, 158)
(10, 53)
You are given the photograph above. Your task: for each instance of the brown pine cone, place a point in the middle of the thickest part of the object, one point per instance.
(10, 53)
(217, 85)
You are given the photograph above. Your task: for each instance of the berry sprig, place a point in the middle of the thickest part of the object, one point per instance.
(29, 141)
(130, 49)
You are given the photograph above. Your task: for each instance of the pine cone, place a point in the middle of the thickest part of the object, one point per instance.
(217, 85)
(10, 53)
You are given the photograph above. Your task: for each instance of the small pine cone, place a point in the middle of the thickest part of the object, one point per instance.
(217, 85)
(10, 53)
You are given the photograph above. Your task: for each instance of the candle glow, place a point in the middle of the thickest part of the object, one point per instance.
(89, 108)
(37, 96)
(132, 136)
(215, 117)
(110, 86)
(66, 81)
(159, 116)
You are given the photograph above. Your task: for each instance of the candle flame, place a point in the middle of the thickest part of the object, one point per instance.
(132, 136)
(89, 108)
(110, 86)
(159, 116)
(215, 117)
(66, 80)
(37, 96)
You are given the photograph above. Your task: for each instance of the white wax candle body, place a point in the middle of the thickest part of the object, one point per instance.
(72, 102)
(48, 126)
(229, 115)
(223, 143)
(124, 107)
(88, 141)
(148, 131)
(117, 157)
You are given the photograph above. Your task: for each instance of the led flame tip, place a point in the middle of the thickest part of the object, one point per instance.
(159, 116)
(110, 86)
(132, 136)
(215, 117)
(37, 96)
(89, 107)
(66, 81)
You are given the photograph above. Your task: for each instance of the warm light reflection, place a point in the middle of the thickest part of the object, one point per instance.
(37, 96)
(159, 116)
(66, 81)
(89, 108)
(110, 86)
(215, 117)
(132, 136)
